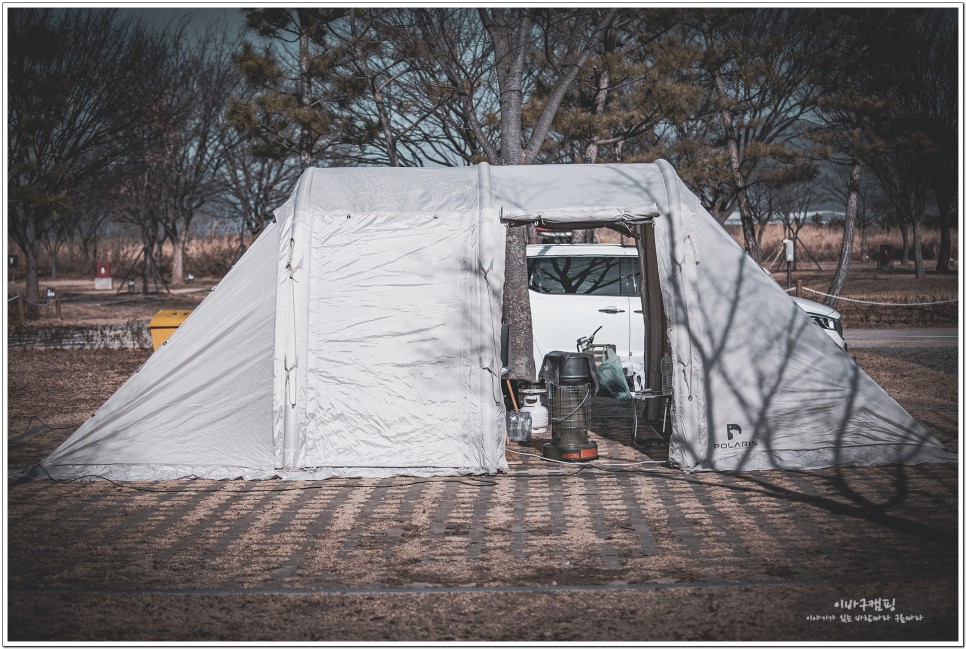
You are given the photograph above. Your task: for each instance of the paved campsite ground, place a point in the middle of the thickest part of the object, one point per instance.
(543, 553)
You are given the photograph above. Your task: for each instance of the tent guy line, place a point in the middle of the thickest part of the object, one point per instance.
(848, 299)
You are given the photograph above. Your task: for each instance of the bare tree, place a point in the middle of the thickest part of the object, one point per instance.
(71, 80)
(624, 100)
(90, 218)
(253, 186)
(916, 154)
(142, 205)
(935, 101)
(148, 187)
(872, 204)
(852, 86)
(204, 80)
(790, 203)
(906, 188)
(757, 67)
(60, 232)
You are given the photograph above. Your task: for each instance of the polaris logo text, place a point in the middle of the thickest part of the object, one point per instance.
(735, 429)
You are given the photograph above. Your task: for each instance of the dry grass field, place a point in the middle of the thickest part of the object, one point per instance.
(821, 243)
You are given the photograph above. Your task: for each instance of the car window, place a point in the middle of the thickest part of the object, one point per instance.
(575, 275)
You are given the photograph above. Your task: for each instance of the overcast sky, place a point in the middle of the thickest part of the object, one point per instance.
(196, 18)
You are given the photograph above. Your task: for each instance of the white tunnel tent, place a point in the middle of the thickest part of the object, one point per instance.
(360, 336)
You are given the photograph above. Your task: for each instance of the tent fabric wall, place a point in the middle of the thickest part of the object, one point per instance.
(201, 405)
(757, 385)
(360, 336)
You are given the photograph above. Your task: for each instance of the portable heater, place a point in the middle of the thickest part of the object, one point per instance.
(570, 388)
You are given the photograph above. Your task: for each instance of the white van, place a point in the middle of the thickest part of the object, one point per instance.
(576, 288)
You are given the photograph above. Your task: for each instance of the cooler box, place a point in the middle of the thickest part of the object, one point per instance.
(164, 323)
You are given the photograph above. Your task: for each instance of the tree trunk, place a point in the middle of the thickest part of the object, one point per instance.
(904, 231)
(156, 276)
(848, 235)
(516, 306)
(385, 122)
(241, 243)
(510, 35)
(945, 247)
(760, 236)
(178, 245)
(32, 275)
(305, 90)
(375, 88)
(944, 204)
(151, 270)
(734, 162)
(603, 85)
(593, 147)
(509, 32)
(917, 247)
(146, 270)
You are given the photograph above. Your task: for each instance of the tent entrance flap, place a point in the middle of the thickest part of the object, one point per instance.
(652, 308)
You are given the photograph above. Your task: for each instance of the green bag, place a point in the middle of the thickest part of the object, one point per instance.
(610, 374)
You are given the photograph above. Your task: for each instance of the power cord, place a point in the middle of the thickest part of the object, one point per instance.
(31, 431)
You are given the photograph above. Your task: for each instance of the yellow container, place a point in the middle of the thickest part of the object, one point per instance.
(164, 323)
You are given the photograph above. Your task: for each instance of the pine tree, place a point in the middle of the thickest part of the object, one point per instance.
(295, 111)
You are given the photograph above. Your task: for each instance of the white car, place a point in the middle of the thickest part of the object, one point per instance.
(576, 288)
(825, 317)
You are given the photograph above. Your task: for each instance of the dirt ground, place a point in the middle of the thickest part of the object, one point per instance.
(543, 554)
(81, 304)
